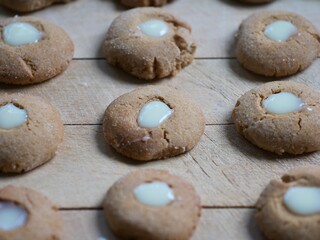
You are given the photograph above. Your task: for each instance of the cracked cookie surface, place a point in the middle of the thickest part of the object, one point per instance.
(36, 62)
(264, 56)
(44, 220)
(29, 5)
(145, 57)
(275, 220)
(178, 134)
(143, 3)
(33, 143)
(295, 132)
(130, 219)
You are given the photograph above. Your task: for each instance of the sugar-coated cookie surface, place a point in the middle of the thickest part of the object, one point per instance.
(130, 219)
(143, 3)
(148, 57)
(262, 55)
(295, 130)
(29, 5)
(32, 142)
(43, 218)
(178, 133)
(276, 220)
(34, 62)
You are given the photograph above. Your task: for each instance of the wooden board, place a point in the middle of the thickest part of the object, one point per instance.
(227, 171)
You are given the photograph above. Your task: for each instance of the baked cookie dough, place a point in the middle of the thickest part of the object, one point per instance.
(153, 122)
(289, 209)
(26, 214)
(30, 132)
(152, 205)
(277, 43)
(281, 117)
(143, 3)
(29, 5)
(32, 50)
(149, 43)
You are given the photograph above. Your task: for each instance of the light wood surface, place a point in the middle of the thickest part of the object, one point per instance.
(228, 172)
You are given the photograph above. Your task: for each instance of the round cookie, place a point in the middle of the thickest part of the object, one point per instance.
(22, 62)
(176, 131)
(277, 43)
(276, 216)
(30, 132)
(281, 117)
(27, 214)
(133, 209)
(29, 5)
(149, 43)
(143, 3)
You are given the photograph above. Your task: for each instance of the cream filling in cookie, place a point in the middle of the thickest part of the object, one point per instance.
(155, 194)
(280, 31)
(282, 103)
(154, 28)
(20, 33)
(12, 116)
(303, 200)
(153, 114)
(12, 216)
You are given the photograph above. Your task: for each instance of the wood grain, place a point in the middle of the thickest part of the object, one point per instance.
(231, 224)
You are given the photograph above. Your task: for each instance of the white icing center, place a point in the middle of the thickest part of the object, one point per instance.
(20, 33)
(155, 194)
(154, 28)
(303, 200)
(153, 114)
(282, 103)
(280, 31)
(12, 116)
(11, 216)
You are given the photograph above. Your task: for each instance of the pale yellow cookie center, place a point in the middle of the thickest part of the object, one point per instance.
(12, 216)
(280, 31)
(153, 114)
(155, 194)
(282, 103)
(303, 200)
(154, 28)
(12, 116)
(20, 33)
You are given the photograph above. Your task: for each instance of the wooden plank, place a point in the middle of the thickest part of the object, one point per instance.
(222, 224)
(214, 22)
(84, 91)
(225, 169)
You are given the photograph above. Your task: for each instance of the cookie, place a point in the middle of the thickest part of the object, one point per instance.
(32, 50)
(277, 44)
(143, 3)
(29, 5)
(152, 205)
(149, 43)
(289, 209)
(153, 122)
(281, 117)
(30, 132)
(26, 214)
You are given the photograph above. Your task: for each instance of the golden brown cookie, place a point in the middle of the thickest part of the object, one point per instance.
(291, 125)
(38, 61)
(30, 215)
(149, 43)
(152, 205)
(275, 216)
(30, 132)
(277, 43)
(143, 3)
(29, 5)
(175, 132)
